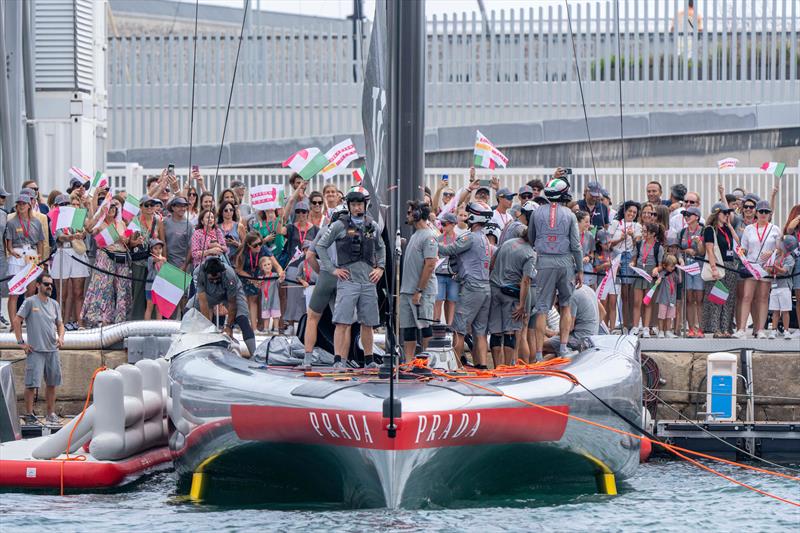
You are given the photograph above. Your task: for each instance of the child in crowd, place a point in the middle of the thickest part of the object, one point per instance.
(780, 299)
(270, 303)
(667, 295)
(587, 247)
(154, 263)
(602, 264)
(647, 255)
(673, 248)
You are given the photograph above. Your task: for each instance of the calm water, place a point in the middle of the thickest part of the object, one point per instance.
(663, 496)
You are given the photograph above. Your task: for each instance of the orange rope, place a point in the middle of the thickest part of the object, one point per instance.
(75, 426)
(671, 448)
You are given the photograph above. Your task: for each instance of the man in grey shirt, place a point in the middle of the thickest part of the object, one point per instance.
(177, 232)
(585, 320)
(418, 286)
(42, 316)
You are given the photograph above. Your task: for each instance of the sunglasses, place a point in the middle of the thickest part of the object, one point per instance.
(46, 284)
(192, 194)
(647, 213)
(748, 206)
(34, 189)
(448, 194)
(301, 211)
(255, 245)
(690, 202)
(316, 203)
(764, 211)
(227, 210)
(525, 196)
(64, 204)
(149, 205)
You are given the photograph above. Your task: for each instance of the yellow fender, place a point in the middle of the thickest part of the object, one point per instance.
(200, 480)
(606, 482)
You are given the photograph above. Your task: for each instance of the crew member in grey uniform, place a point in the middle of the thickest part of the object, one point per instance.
(474, 255)
(3, 263)
(513, 262)
(360, 264)
(324, 293)
(585, 319)
(553, 230)
(45, 329)
(418, 286)
(217, 283)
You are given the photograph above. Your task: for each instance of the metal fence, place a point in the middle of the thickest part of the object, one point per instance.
(518, 66)
(701, 180)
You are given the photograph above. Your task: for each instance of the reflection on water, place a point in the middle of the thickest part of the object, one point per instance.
(667, 496)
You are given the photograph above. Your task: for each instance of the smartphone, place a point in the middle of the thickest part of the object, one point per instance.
(485, 183)
(445, 177)
(171, 169)
(567, 171)
(195, 168)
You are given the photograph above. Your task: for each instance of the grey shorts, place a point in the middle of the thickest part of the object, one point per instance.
(40, 364)
(502, 306)
(472, 309)
(553, 344)
(324, 292)
(352, 296)
(413, 316)
(550, 281)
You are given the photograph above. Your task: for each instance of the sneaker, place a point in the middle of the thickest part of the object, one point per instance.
(670, 335)
(772, 334)
(787, 335)
(739, 334)
(31, 420)
(352, 364)
(4, 322)
(762, 335)
(659, 335)
(690, 333)
(53, 419)
(339, 366)
(373, 364)
(634, 331)
(646, 333)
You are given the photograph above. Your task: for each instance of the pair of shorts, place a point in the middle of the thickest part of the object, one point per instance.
(626, 275)
(324, 292)
(148, 295)
(500, 311)
(63, 266)
(666, 311)
(780, 299)
(693, 283)
(270, 313)
(447, 288)
(552, 281)
(39, 364)
(472, 310)
(416, 316)
(356, 301)
(641, 284)
(18, 264)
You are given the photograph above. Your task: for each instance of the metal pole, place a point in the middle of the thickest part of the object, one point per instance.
(30, 87)
(5, 119)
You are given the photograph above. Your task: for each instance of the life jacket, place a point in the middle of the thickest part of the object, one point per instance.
(552, 225)
(358, 243)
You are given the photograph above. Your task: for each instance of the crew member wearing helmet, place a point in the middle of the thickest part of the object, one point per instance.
(324, 293)
(512, 264)
(217, 283)
(553, 231)
(418, 286)
(358, 265)
(474, 255)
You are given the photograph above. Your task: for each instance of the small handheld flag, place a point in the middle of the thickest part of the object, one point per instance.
(25, 277)
(719, 294)
(339, 156)
(308, 162)
(359, 174)
(67, 217)
(774, 168)
(729, 163)
(131, 207)
(107, 237)
(169, 287)
(133, 226)
(486, 155)
(649, 296)
(692, 269)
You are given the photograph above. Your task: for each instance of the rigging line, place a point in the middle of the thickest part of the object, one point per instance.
(580, 87)
(621, 130)
(194, 71)
(723, 441)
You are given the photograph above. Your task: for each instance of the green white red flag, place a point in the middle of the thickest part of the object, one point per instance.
(107, 237)
(774, 168)
(63, 217)
(169, 286)
(359, 174)
(719, 293)
(131, 207)
(486, 154)
(23, 278)
(308, 162)
(133, 226)
(99, 180)
(340, 155)
(649, 296)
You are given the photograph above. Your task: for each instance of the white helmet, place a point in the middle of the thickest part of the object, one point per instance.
(493, 229)
(527, 210)
(478, 213)
(556, 189)
(338, 211)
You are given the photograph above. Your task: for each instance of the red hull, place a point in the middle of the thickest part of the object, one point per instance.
(36, 473)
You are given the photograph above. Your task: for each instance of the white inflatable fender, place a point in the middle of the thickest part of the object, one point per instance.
(108, 437)
(57, 443)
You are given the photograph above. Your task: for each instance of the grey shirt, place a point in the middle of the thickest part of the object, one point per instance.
(421, 246)
(566, 232)
(331, 251)
(16, 232)
(789, 265)
(178, 234)
(228, 288)
(514, 259)
(41, 318)
(513, 229)
(583, 305)
(475, 254)
(359, 271)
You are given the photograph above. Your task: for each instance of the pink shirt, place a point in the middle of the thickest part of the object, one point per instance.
(199, 239)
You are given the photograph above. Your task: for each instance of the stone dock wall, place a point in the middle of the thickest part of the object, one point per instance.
(774, 374)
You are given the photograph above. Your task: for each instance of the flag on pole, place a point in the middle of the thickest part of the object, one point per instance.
(308, 162)
(719, 294)
(649, 296)
(729, 163)
(103, 210)
(131, 207)
(340, 155)
(774, 168)
(107, 237)
(133, 226)
(643, 274)
(608, 280)
(23, 278)
(169, 286)
(264, 197)
(486, 155)
(691, 269)
(99, 180)
(67, 217)
(79, 174)
(359, 174)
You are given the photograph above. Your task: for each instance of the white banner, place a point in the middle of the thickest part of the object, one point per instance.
(263, 197)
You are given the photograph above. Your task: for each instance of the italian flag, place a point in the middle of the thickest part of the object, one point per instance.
(99, 180)
(308, 162)
(131, 207)
(360, 173)
(133, 226)
(339, 156)
(774, 168)
(67, 217)
(107, 237)
(169, 287)
(719, 294)
(649, 296)
(486, 155)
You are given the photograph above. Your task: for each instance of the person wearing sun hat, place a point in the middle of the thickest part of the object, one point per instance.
(719, 233)
(24, 241)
